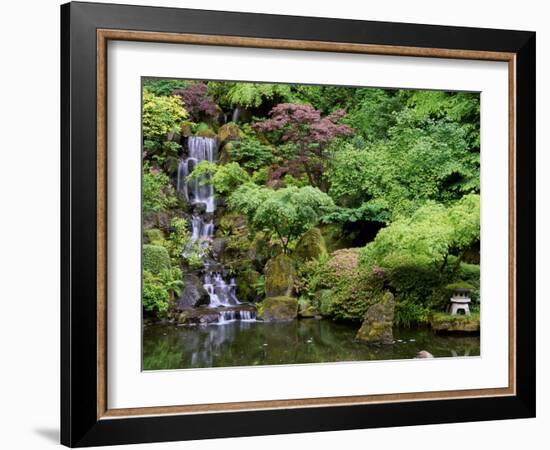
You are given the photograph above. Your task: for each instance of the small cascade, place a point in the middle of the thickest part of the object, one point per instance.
(232, 315)
(222, 293)
(236, 114)
(196, 191)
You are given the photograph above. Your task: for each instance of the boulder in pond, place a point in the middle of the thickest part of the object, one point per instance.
(377, 328)
(279, 276)
(277, 309)
(423, 354)
(194, 293)
(311, 245)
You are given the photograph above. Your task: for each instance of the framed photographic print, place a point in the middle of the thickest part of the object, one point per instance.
(276, 224)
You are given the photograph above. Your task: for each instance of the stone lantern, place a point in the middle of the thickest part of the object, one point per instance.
(460, 300)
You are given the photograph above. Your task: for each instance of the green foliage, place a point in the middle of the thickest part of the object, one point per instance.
(260, 176)
(429, 235)
(161, 86)
(373, 113)
(338, 286)
(248, 198)
(249, 95)
(159, 289)
(154, 236)
(155, 259)
(285, 213)
(417, 164)
(178, 238)
(161, 115)
(252, 154)
(154, 297)
(409, 313)
(158, 193)
(225, 178)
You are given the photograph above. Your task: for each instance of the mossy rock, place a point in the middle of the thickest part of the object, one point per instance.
(225, 153)
(246, 285)
(311, 245)
(306, 310)
(154, 236)
(377, 328)
(229, 132)
(155, 258)
(443, 322)
(276, 309)
(279, 276)
(204, 130)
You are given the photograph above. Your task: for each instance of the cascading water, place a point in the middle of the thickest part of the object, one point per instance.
(197, 192)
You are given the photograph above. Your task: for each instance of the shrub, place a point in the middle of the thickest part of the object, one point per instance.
(161, 115)
(160, 289)
(154, 236)
(408, 313)
(158, 193)
(155, 259)
(154, 296)
(178, 238)
(252, 154)
(339, 287)
(225, 178)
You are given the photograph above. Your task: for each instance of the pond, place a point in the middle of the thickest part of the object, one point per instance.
(296, 342)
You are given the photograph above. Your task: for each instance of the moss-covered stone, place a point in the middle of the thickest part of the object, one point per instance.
(280, 308)
(443, 322)
(311, 245)
(225, 153)
(280, 276)
(246, 285)
(307, 310)
(154, 236)
(377, 328)
(204, 130)
(229, 132)
(155, 258)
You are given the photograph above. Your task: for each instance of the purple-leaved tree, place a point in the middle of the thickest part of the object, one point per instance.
(308, 134)
(198, 103)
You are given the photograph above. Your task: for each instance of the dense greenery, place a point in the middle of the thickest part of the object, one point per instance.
(387, 179)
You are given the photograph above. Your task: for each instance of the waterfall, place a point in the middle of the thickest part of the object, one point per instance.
(221, 293)
(236, 114)
(197, 192)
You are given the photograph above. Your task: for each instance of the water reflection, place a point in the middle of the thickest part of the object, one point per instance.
(296, 342)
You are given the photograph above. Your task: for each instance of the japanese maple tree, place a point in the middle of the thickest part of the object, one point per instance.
(197, 102)
(307, 134)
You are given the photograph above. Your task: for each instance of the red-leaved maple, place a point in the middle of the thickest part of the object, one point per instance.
(307, 132)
